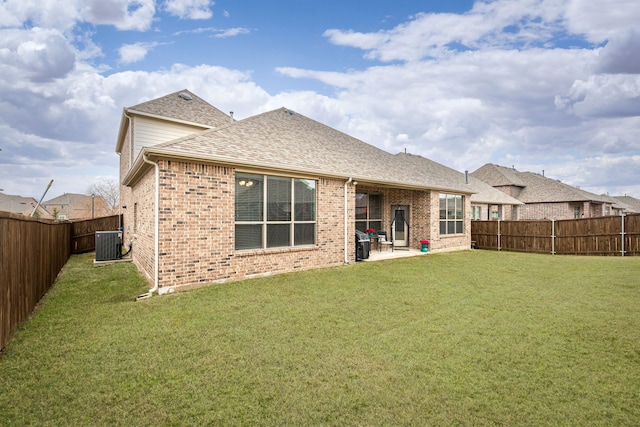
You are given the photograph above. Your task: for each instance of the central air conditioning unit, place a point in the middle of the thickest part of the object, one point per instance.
(108, 245)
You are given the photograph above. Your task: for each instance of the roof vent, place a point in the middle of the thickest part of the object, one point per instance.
(185, 96)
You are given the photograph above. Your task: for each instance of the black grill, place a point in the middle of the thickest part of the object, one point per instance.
(363, 245)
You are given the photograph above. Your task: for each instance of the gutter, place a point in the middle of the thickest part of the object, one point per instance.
(156, 261)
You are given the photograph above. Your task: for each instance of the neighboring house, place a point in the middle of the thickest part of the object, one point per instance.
(618, 207)
(76, 206)
(208, 199)
(632, 203)
(22, 206)
(543, 198)
(487, 203)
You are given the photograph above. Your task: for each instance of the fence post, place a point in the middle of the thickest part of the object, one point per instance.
(622, 234)
(553, 237)
(498, 234)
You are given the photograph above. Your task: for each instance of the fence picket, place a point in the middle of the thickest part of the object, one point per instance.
(610, 235)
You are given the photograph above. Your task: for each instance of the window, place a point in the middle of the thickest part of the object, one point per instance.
(577, 212)
(368, 211)
(451, 214)
(273, 211)
(476, 212)
(135, 217)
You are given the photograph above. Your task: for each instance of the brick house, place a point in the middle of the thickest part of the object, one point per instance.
(76, 206)
(487, 203)
(542, 197)
(208, 199)
(22, 206)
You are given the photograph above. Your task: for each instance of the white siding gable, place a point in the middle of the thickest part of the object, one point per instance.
(149, 131)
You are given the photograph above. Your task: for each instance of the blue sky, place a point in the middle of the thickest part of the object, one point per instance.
(549, 85)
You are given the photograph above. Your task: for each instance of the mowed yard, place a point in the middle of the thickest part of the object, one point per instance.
(467, 338)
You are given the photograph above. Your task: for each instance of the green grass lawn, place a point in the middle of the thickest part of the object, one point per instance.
(466, 338)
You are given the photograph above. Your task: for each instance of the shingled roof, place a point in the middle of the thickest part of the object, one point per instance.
(631, 204)
(535, 187)
(484, 193)
(184, 106)
(283, 140)
(498, 176)
(17, 204)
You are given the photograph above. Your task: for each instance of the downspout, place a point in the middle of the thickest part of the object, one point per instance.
(346, 221)
(156, 261)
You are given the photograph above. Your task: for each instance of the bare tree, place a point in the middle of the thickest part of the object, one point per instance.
(109, 191)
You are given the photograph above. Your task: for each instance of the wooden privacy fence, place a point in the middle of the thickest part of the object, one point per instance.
(609, 235)
(83, 233)
(32, 253)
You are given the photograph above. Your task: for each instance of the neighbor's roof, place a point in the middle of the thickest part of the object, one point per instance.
(283, 140)
(497, 176)
(16, 204)
(616, 204)
(70, 199)
(631, 202)
(535, 187)
(484, 193)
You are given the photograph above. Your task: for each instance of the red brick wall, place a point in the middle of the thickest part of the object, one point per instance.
(141, 230)
(197, 229)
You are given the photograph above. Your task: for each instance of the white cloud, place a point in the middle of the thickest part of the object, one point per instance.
(122, 14)
(216, 32)
(232, 32)
(189, 9)
(36, 54)
(42, 13)
(64, 15)
(135, 52)
(603, 19)
(433, 34)
(605, 95)
(621, 53)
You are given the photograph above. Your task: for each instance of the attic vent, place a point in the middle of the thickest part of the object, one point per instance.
(290, 112)
(185, 96)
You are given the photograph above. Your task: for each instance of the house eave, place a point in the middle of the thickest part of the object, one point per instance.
(168, 119)
(121, 132)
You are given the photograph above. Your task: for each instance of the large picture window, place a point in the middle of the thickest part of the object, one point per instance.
(451, 214)
(368, 211)
(273, 211)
